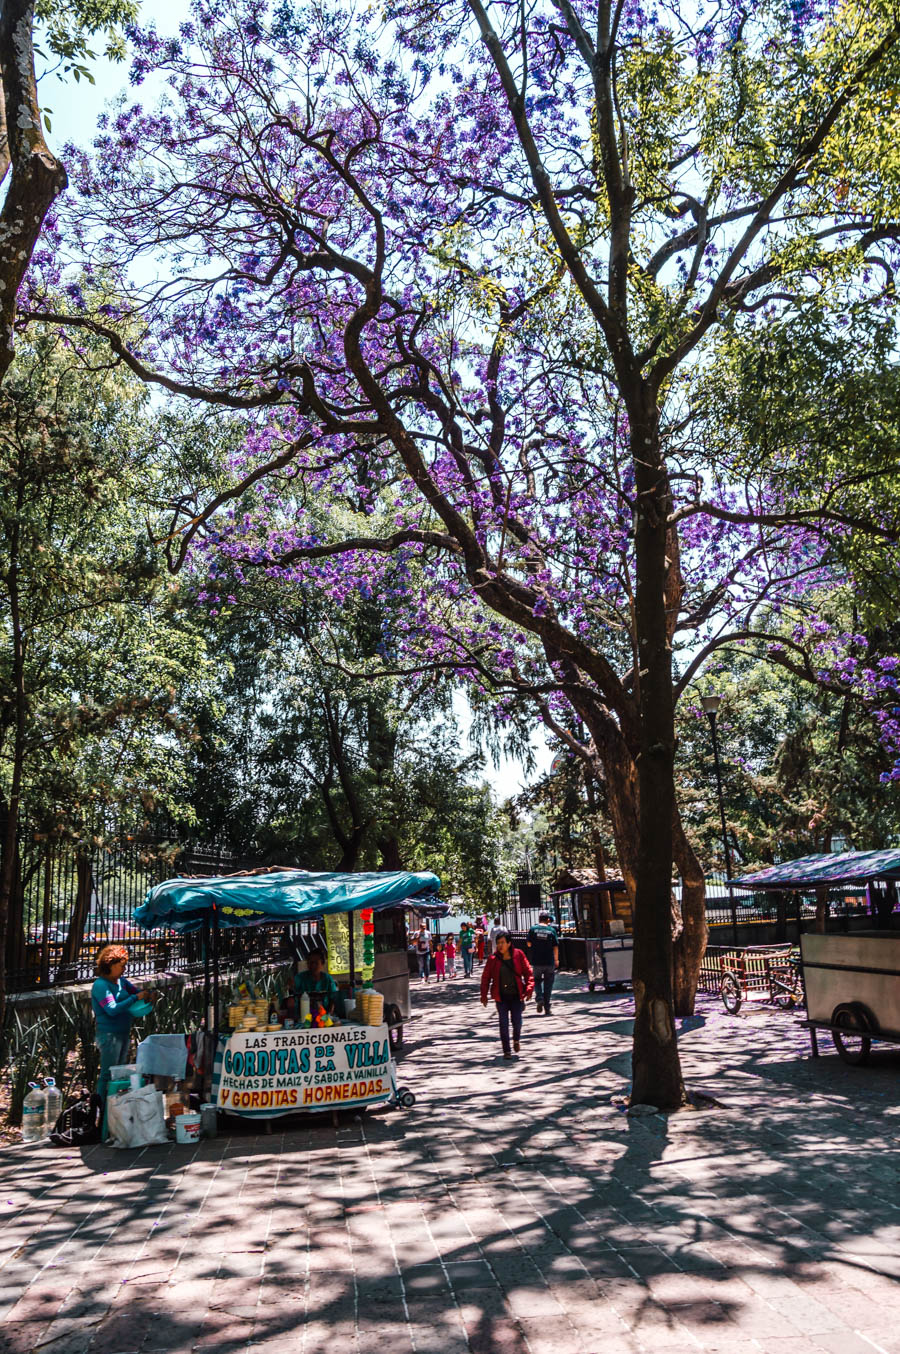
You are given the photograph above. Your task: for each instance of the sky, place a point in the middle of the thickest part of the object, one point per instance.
(75, 108)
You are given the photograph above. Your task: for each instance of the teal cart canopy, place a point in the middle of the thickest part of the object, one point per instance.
(282, 896)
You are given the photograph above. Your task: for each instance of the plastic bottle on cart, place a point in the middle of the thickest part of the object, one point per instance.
(34, 1114)
(304, 1006)
(54, 1103)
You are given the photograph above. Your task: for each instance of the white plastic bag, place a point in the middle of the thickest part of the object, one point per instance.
(137, 1118)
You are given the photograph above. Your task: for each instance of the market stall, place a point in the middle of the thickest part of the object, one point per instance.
(599, 938)
(851, 979)
(304, 1055)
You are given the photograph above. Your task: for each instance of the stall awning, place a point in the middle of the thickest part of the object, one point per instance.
(285, 895)
(810, 872)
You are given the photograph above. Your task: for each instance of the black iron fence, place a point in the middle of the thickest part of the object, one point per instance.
(780, 914)
(775, 914)
(76, 891)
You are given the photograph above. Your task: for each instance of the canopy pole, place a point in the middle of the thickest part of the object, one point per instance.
(206, 973)
(215, 971)
(351, 949)
(209, 1051)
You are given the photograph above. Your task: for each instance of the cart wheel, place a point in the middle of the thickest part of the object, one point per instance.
(406, 1099)
(730, 992)
(592, 987)
(854, 1045)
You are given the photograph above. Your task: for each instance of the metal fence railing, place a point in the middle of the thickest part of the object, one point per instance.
(76, 891)
(749, 907)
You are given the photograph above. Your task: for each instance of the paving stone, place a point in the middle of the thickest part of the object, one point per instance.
(515, 1210)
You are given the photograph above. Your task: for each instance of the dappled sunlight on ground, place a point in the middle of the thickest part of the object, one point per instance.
(516, 1208)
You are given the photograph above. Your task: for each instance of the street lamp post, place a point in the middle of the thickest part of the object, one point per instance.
(711, 706)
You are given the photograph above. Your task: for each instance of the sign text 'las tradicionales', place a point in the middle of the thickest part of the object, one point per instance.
(269, 1073)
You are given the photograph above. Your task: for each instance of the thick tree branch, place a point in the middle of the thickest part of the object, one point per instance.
(190, 390)
(37, 176)
(706, 314)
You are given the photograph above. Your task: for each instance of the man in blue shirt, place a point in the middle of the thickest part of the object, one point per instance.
(543, 951)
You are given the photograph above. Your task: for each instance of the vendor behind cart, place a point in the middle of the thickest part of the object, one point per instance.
(317, 983)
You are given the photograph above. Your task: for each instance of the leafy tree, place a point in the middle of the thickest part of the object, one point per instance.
(802, 765)
(100, 675)
(312, 759)
(571, 817)
(493, 290)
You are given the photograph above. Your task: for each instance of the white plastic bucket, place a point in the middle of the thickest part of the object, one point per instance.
(187, 1128)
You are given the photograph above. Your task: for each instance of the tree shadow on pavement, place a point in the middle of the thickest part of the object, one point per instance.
(514, 1207)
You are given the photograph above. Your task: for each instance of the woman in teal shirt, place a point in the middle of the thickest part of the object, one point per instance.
(317, 982)
(112, 997)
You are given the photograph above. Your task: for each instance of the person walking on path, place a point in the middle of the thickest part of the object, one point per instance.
(492, 935)
(112, 997)
(451, 956)
(479, 942)
(543, 951)
(440, 961)
(466, 947)
(508, 978)
(423, 951)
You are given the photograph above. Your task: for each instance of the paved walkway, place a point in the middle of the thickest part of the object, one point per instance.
(516, 1208)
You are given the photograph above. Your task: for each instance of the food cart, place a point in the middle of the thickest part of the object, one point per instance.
(264, 1073)
(852, 990)
(601, 924)
(851, 978)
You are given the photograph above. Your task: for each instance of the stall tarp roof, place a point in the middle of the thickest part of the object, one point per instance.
(841, 867)
(284, 895)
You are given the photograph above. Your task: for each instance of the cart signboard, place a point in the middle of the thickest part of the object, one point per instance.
(268, 1074)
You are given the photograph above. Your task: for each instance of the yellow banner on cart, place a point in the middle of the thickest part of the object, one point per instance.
(308, 1069)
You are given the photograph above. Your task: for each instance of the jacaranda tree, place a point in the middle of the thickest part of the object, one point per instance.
(464, 264)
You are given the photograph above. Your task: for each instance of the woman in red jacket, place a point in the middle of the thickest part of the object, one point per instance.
(510, 979)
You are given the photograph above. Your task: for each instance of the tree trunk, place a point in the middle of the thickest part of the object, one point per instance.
(690, 945)
(620, 777)
(596, 840)
(9, 848)
(656, 1067)
(389, 847)
(68, 968)
(37, 176)
(350, 845)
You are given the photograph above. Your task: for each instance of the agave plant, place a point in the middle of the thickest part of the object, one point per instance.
(87, 1068)
(26, 1060)
(6, 1037)
(59, 1039)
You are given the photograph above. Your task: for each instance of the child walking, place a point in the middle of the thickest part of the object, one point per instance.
(440, 957)
(450, 948)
